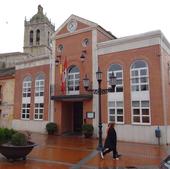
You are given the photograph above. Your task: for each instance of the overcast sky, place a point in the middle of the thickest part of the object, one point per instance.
(121, 17)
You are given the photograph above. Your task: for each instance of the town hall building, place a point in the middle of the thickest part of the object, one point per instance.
(48, 81)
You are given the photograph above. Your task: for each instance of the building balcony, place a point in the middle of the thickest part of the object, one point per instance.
(71, 95)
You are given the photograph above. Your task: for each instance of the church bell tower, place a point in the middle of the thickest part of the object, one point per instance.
(37, 34)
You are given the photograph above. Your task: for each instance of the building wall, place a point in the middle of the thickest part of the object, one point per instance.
(20, 75)
(7, 101)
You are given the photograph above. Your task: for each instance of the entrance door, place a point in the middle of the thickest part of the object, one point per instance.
(77, 117)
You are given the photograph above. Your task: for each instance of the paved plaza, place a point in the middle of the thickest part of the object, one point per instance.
(76, 152)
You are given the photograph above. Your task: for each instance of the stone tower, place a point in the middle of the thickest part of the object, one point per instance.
(37, 34)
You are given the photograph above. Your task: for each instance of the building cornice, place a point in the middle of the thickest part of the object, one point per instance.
(34, 61)
(133, 42)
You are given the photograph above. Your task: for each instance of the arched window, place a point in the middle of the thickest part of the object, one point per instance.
(39, 85)
(39, 99)
(115, 100)
(73, 80)
(37, 37)
(139, 76)
(118, 72)
(26, 97)
(26, 88)
(31, 37)
(140, 93)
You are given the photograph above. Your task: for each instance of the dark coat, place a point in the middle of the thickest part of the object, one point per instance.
(111, 139)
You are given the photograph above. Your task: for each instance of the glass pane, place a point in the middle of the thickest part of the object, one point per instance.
(143, 79)
(111, 104)
(145, 111)
(77, 76)
(119, 118)
(119, 81)
(135, 103)
(70, 88)
(77, 82)
(70, 83)
(119, 89)
(74, 69)
(119, 104)
(135, 80)
(115, 67)
(144, 87)
(139, 64)
(120, 111)
(136, 119)
(76, 87)
(112, 111)
(143, 72)
(145, 103)
(134, 73)
(70, 76)
(135, 88)
(112, 118)
(118, 74)
(145, 119)
(136, 111)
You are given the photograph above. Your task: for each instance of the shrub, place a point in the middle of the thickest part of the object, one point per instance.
(6, 135)
(51, 127)
(19, 139)
(87, 130)
(2, 136)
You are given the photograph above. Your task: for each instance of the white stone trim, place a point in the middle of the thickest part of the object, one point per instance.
(163, 93)
(28, 63)
(94, 86)
(138, 133)
(30, 125)
(77, 18)
(133, 42)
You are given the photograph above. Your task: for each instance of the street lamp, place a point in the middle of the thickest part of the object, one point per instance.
(99, 91)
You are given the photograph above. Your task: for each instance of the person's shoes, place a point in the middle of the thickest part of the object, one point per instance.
(116, 158)
(101, 155)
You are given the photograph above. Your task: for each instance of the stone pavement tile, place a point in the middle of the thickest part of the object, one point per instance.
(58, 154)
(122, 162)
(28, 164)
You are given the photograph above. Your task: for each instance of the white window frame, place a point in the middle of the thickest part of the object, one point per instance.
(39, 87)
(26, 97)
(39, 97)
(26, 108)
(114, 105)
(26, 88)
(139, 77)
(140, 95)
(73, 80)
(38, 111)
(141, 115)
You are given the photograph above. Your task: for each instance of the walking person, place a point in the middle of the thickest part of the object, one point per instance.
(110, 142)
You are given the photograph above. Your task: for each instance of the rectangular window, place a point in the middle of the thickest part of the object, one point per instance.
(38, 111)
(25, 114)
(141, 112)
(116, 112)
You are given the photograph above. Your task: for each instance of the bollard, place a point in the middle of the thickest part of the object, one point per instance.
(158, 134)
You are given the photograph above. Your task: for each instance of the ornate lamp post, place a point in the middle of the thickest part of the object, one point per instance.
(99, 91)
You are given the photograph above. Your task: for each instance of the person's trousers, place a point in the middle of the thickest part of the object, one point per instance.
(108, 150)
